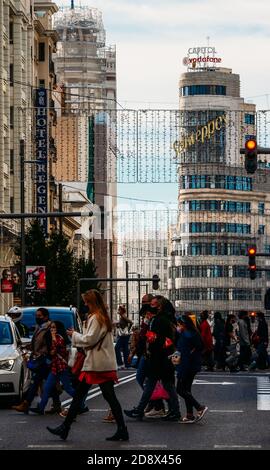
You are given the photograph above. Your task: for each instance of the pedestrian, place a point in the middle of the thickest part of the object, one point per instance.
(231, 342)
(59, 367)
(123, 334)
(244, 341)
(160, 344)
(190, 345)
(262, 360)
(40, 346)
(99, 365)
(207, 341)
(219, 346)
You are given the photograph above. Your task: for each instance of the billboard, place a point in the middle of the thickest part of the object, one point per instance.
(35, 278)
(6, 281)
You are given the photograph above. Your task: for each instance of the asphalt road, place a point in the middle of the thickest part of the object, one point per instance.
(238, 418)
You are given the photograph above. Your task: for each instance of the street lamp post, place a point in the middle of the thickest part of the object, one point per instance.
(127, 299)
(22, 147)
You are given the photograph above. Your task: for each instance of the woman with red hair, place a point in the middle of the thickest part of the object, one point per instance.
(99, 366)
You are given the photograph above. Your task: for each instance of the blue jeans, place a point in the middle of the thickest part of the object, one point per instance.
(140, 374)
(122, 345)
(50, 384)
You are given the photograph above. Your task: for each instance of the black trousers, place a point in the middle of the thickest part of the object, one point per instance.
(183, 388)
(108, 393)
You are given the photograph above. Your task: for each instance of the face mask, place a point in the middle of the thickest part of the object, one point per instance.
(144, 309)
(153, 310)
(40, 321)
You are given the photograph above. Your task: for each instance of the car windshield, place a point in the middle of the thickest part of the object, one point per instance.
(5, 333)
(66, 317)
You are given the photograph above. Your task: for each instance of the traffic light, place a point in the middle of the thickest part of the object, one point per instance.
(251, 156)
(252, 317)
(155, 282)
(252, 261)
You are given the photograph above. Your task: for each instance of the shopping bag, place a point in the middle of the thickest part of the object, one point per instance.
(78, 363)
(159, 392)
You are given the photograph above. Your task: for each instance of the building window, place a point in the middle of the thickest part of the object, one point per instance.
(11, 74)
(250, 119)
(261, 208)
(11, 116)
(261, 230)
(11, 161)
(41, 51)
(11, 32)
(12, 205)
(41, 83)
(192, 90)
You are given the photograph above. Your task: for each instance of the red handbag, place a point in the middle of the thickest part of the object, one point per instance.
(159, 392)
(78, 363)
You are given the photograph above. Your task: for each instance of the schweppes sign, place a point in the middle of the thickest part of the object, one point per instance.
(201, 134)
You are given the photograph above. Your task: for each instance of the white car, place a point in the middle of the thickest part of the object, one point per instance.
(14, 375)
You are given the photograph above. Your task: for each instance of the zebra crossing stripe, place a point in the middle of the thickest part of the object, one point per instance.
(263, 393)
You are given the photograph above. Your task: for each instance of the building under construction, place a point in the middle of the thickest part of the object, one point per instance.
(86, 128)
(85, 66)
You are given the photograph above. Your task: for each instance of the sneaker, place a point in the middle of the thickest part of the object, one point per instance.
(54, 410)
(201, 413)
(134, 413)
(155, 413)
(187, 420)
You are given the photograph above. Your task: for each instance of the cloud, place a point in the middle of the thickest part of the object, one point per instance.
(152, 37)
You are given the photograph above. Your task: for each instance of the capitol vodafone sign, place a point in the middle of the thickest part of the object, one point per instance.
(201, 56)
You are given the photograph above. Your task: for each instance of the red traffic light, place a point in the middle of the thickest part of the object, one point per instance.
(251, 144)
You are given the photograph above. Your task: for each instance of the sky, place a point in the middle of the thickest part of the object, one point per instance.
(152, 38)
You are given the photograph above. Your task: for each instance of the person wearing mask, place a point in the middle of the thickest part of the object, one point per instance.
(244, 341)
(262, 361)
(16, 314)
(40, 346)
(99, 366)
(207, 341)
(123, 334)
(231, 340)
(160, 343)
(59, 366)
(190, 345)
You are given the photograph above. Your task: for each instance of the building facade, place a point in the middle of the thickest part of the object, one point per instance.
(86, 69)
(221, 209)
(27, 42)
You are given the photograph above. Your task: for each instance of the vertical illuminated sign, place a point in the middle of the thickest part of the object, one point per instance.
(42, 156)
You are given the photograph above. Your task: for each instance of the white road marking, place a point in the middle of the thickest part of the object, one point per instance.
(263, 393)
(143, 446)
(206, 382)
(45, 446)
(226, 411)
(219, 446)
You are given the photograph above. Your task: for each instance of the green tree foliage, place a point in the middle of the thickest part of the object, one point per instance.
(62, 269)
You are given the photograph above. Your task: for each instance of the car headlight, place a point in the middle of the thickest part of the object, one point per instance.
(7, 364)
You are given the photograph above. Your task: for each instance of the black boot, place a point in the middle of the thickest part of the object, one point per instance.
(61, 431)
(120, 435)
